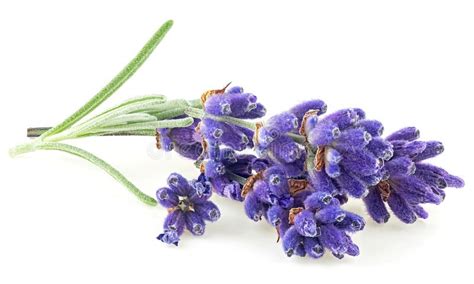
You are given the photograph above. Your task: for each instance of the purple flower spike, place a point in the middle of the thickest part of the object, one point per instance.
(188, 206)
(409, 182)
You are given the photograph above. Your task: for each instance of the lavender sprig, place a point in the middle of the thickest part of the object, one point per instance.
(295, 169)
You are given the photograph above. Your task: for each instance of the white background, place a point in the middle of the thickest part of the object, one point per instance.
(64, 221)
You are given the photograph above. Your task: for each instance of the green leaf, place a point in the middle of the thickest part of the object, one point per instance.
(116, 82)
(21, 149)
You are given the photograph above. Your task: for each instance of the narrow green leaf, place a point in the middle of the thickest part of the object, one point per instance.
(152, 125)
(101, 164)
(116, 82)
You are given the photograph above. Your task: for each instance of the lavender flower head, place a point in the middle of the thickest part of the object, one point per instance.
(309, 221)
(304, 169)
(410, 181)
(349, 152)
(188, 207)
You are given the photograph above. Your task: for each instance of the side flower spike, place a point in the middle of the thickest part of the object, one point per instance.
(233, 103)
(188, 206)
(410, 182)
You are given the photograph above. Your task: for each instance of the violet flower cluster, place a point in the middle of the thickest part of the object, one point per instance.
(188, 207)
(296, 170)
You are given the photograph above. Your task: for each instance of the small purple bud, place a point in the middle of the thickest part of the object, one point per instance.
(401, 209)
(323, 134)
(194, 223)
(291, 241)
(301, 109)
(167, 198)
(433, 149)
(376, 207)
(276, 215)
(351, 223)
(214, 169)
(352, 139)
(352, 185)
(208, 211)
(420, 212)
(313, 247)
(175, 221)
(334, 239)
(374, 127)
(306, 225)
(253, 207)
(400, 166)
(332, 155)
(408, 134)
(345, 118)
(381, 148)
(179, 184)
(361, 162)
(330, 214)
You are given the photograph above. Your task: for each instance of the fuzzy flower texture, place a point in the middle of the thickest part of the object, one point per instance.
(296, 170)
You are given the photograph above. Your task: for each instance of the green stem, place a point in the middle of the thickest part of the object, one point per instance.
(21, 149)
(116, 82)
(172, 123)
